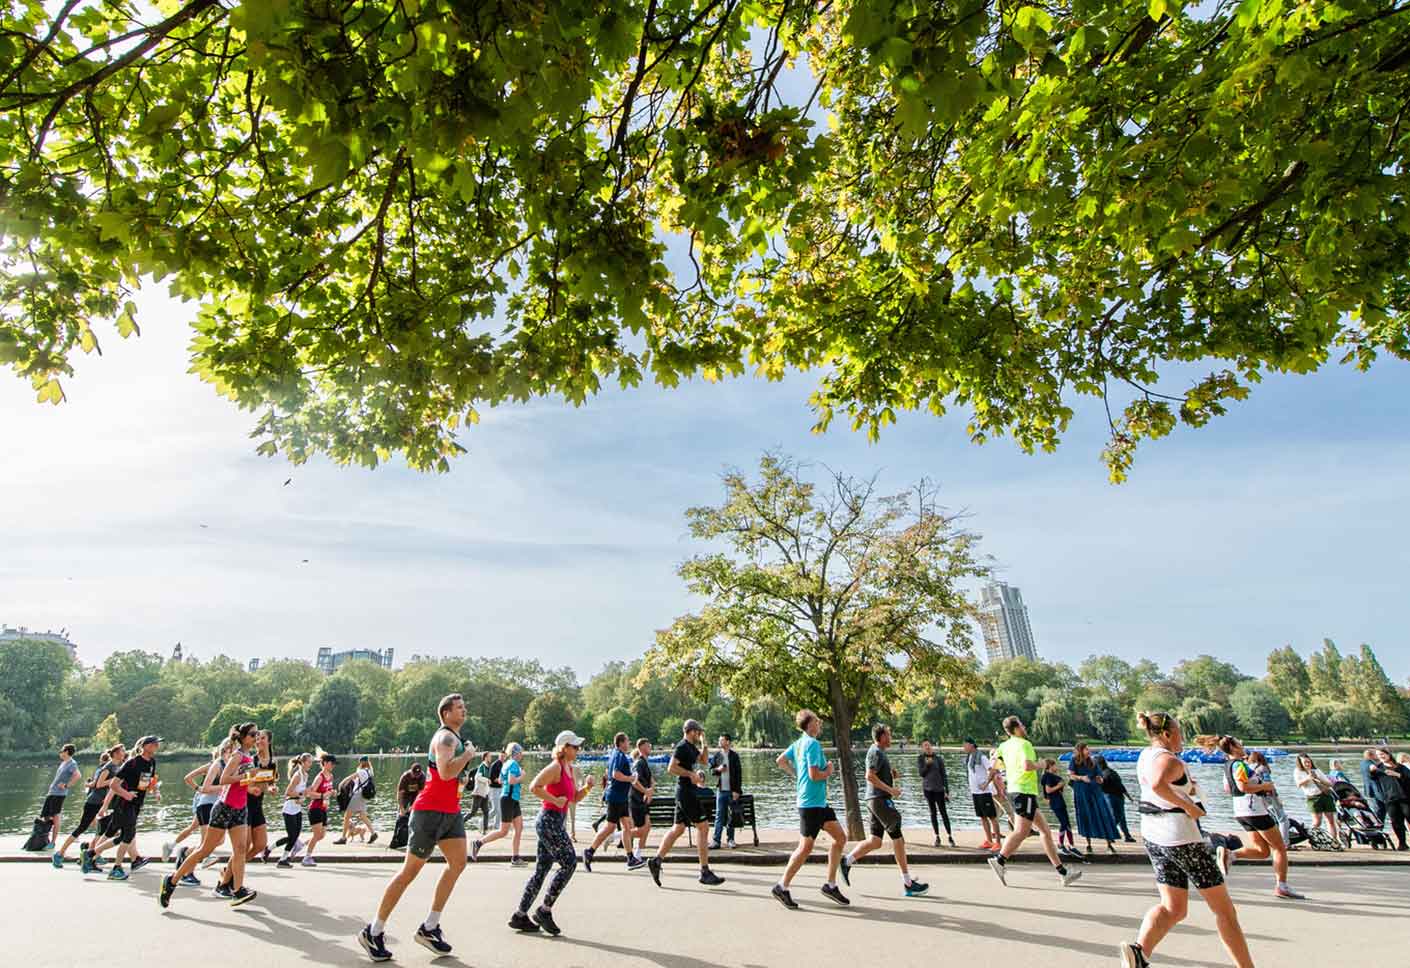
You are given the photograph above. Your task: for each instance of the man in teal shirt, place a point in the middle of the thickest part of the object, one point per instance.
(1021, 766)
(811, 768)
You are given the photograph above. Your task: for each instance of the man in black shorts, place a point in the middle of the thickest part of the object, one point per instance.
(617, 787)
(689, 808)
(127, 791)
(980, 774)
(883, 789)
(643, 788)
(811, 771)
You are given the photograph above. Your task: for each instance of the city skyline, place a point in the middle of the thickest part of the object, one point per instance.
(1004, 623)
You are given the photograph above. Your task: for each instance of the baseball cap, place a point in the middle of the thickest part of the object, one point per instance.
(693, 725)
(568, 738)
(148, 739)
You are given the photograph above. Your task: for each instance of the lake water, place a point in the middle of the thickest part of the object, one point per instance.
(22, 788)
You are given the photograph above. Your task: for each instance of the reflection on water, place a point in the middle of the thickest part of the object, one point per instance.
(22, 788)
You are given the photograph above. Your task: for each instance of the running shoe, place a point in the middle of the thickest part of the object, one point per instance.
(167, 890)
(1132, 956)
(653, 864)
(917, 889)
(85, 862)
(140, 863)
(588, 853)
(284, 863)
(211, 861)
(431, 939)
(834, 893)
(1283, 891)
(57, 859)
(189, 880)
(372, 944)
(1225, 857)
(782, 896)
(952, 842)
(709, 878)
(223, 890)
(309, 862)
(846, 866)
(520, 921)
(373, 838)
(986, 845)
(117, 874)
(296, 848)
(264, 857)
(167, 848)
(475, 850)
(1071, 877)
(517, 861)
(181, 856)
(243, 896)
(635, 863)
(543, 917)
(340, 841)
(937, 842)
(998, 870)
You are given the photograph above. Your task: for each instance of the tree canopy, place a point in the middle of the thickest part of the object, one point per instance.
(395, 214)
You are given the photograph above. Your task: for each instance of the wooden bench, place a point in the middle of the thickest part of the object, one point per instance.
(662, 813)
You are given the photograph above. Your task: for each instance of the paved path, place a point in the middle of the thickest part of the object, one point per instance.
(611, 917)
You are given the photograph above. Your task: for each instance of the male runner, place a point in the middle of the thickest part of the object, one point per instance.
(981, 774)
(1021, 767)
(688, 808)
(620, 783)
(643, 788)
(805, 758)
(127, 792)
(66, 777)
(883, 789)
(435, 823)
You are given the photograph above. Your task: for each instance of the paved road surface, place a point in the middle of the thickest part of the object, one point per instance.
(614, 918)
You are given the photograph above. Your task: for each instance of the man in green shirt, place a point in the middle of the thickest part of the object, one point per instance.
(1021, 766)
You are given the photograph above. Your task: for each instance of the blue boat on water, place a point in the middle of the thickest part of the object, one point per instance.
(1127, 754)
(656, 758)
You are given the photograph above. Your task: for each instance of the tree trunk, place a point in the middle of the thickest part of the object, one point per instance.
(842, 733)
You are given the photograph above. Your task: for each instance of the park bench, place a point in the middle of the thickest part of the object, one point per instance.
(662, 812)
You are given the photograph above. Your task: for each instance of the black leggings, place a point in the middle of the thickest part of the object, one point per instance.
(936, 799)
(1118, 810)
(1398, 811)
(293, 826)
(554, 848)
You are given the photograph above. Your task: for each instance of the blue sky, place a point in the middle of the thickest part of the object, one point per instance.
(557, 534)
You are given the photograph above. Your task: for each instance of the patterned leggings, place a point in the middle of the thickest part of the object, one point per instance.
(554, 848)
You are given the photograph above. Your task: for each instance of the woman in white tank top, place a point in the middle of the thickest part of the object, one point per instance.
(1177, 849)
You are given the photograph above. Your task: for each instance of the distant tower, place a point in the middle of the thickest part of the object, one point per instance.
(254, 665)
(387, 658)
(176, 654)
(324, 662)
(1004, 620)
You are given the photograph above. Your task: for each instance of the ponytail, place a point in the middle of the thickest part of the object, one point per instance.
(1226, 745)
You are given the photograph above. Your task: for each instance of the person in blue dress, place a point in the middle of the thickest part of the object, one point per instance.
(1094, 819)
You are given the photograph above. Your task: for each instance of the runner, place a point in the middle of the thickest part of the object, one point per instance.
(230, 816)
(619, 785)
(356, 812)
(688, 806)
(97, 787)
(643, 788)
(1251, 811)
(497, 789)
(1177, 848)
(883, 789)
(264, 773)
(320, 789)
(66, 777)
(510, 807)
(1021, 766)
(811, 770)
(935, 784)
(127, 791)
(980, 771)
(205, 781)
(435, 824)
(293, 809)
(200, 810)
(557, 787)
(88, 862)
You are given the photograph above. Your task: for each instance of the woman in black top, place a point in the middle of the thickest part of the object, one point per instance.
(1392, 786)
(935, 784)
(1115, 789)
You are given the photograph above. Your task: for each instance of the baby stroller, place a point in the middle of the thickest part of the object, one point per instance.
(1358, 821)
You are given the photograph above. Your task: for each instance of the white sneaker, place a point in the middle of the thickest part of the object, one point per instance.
(167, 848)
(998, 870)
(295, 849)
(1071, 877)
(1225, 857)
(309, 862)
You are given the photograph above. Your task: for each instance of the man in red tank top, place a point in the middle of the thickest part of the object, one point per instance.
(435, 823)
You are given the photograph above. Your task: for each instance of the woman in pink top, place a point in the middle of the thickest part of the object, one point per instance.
(229, 815)
(555, 787)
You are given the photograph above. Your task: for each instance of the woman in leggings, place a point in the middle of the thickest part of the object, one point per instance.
(1252, 812)
(1177, 848)
(231, 815)
(97, 792)
(556, 787)
(293, 810)
(935, 784)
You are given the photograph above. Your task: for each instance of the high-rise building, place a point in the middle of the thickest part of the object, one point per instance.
(254, 665)
(61, 637)
(1003, 618)
(328, 661)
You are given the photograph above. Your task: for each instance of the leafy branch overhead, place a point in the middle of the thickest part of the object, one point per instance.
(398, 212)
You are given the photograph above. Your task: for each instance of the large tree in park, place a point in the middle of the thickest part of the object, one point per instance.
(391, 215)
(1287, 676)
(828, 596)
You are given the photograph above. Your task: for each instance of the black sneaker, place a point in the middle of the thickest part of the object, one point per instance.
(340, 841)
(168, 889)
(140, 863)
(543, 917)
(709, 878)
(431, 938)
(475, 850)
(181, 856)
(284, 863)
(834, 893)
(653, 864)
(846, 867)
(1132, 956)
(373, 838)
(243, 896)
(588, 854)
(372, 944)
(520, 921)
(223, 890)
(781, 895)
(635, 863)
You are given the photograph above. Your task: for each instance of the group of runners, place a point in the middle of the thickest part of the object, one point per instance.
(229, 794)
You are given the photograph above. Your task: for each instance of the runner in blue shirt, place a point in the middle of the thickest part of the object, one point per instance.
(811, 768)
(617, 793)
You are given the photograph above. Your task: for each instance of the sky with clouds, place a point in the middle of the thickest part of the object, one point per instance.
(136, 515)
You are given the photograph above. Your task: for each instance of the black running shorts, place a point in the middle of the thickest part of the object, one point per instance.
(90, 810)
(1024, 804)
(317, 815)
(811, 820)
(203, 814)
(984, 805)
(226, 817)
(256, 812)
(123, 825)
(641, 813)
(53, 806)
(428, 828)
(616, 811)
(1184, 864)
(1264, 822)
(509, 810)
(689, 809)
(885, 818)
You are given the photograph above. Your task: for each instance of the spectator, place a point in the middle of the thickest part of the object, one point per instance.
(356, 813)
(1094, 817)
(410, 784)
(1316, 786)
(980, 772)
(497, 788)
(729, 775)
(1337, 774)
(1392, 784)
(1115, 789)
(935, 784)
(480, 792)
(1368, 786)
(1053, 786)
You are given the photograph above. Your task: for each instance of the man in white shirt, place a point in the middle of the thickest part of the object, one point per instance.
(980, 772)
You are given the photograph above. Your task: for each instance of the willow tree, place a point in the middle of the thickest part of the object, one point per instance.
(396, 212)
(829, 597)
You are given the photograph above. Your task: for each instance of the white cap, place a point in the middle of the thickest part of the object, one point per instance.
(568, 738)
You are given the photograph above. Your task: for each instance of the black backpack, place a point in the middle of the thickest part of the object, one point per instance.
(369, 789)
(400, 833)
(344, 796)
(39, 837)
